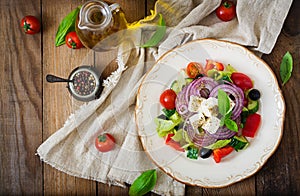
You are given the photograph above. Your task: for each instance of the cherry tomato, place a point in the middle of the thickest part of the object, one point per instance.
(251, 125)
(167, 99)
(226, 11)
(169, 141)
(105, 142)
(30, 24)
(194, 69)
(210, 64)
(241, 80)
(73, 41)
(219, 153)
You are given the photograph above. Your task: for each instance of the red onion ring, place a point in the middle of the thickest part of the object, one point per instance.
(236, 92)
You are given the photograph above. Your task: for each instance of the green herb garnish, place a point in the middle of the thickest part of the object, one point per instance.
(158, 35)
(192, 153)
(224, 110)
(67, 25)
(286, 67)
(144, 183)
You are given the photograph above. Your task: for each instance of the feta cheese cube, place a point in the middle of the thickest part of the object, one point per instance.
(197, 120)
(209, 107)
(195, 103)
(211, 124)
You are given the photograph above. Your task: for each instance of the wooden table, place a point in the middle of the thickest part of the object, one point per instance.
(32, 109)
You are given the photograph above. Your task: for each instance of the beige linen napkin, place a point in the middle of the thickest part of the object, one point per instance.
(71, 148)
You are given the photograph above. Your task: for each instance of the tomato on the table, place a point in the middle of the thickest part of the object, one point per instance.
(30, 24)
(219, 153)
(194, 69)
(169, 141)
(105, 142)
(251, 125)
(226, 11)
(73, 41)
(167, 99)
(241, 80)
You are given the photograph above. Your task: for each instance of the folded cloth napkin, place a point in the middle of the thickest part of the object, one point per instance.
(257, 26)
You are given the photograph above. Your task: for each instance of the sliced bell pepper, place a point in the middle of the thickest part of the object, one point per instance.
(169, 141)
(219, 153)
(251, 125)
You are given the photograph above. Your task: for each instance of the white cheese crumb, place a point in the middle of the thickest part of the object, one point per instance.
(195, 103)
(210, 107)
(211, 125)
(197, 120)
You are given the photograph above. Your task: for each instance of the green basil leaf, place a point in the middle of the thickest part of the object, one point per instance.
(230, 124)
(223, 102)
(144, 183)
(67, 25)
(286, 67)
(158, 35)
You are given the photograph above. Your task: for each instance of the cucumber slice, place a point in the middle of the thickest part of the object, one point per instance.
(253, 106)
(175, 86)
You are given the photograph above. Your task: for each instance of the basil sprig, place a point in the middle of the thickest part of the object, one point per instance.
(67, 25)
(144, 183)
(224, 110)
(158, 35)
(286, 67)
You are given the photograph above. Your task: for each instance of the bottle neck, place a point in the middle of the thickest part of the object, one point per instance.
(95, 16)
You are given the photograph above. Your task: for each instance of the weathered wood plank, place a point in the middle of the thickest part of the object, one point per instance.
(21, 101)
(58, 103)
(280, 176)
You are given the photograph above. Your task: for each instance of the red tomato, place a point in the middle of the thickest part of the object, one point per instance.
(219, 153)
(169, 141)
(194, 69)
(73, 41)
(210, 64)
(241, 80)
(226, 11)
(251, 125)
(105, 142)
(30, 24)
(167, 99)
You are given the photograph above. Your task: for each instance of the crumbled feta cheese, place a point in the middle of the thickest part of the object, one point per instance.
(197, 120)
(209, 107)
(232, 104)
(211, 124)
(195, 103)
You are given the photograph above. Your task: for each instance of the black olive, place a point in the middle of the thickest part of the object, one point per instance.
(205, 153)
(254, 94)
(204, 92)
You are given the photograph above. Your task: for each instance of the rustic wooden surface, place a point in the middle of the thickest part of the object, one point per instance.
(31, 109)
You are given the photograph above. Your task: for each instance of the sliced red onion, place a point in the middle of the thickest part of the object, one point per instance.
(202, 139)
(183, 97)
(222, 133)
(236, 92)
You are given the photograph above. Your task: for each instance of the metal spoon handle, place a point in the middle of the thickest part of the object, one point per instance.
(52, 79)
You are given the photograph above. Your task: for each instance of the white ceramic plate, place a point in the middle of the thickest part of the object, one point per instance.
(237, 165)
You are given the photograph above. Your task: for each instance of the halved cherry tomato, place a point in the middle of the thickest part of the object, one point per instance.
(30, 24)
(167, 99)
(105, 142)
(73, 41)
(210, 64)
(251, 125)
(241, 80)
(226, 11)
(194, 69)
(219, 153)
(169, 141)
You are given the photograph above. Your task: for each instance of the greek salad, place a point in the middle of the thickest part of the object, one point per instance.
(209, 111)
